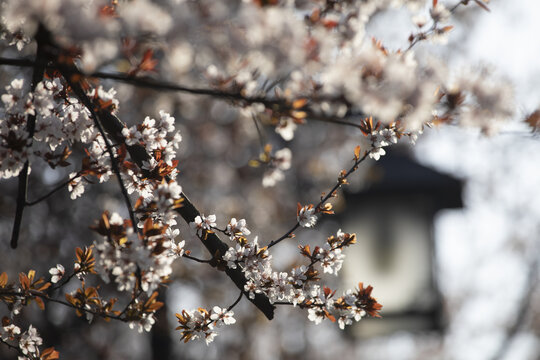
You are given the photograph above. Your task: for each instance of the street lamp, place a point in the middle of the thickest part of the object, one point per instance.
(395, 250)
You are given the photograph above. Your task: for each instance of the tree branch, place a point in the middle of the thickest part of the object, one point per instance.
(77, 88)
(57, 188)
(113, 126)
(324, 199)
(150, 83)
(22, 192)
(16, 62)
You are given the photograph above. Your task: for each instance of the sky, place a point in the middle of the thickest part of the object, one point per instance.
(488, 246)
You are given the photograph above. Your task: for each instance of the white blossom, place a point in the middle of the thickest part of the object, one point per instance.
(57, 273)
(222, 315)
(30, 341)
(202, 223)
(9, 332)
(144, 324)
(306, 216)
(237, 228)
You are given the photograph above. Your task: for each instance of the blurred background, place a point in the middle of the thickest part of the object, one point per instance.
(450, 241)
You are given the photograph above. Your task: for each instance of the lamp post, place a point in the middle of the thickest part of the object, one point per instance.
(395, 250)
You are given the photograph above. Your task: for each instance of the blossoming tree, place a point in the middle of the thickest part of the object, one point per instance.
(77, 77)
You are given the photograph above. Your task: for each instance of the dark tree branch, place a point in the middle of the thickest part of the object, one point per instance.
(44, 296)
(16, 62)
(197, 259)
(50, 193)
(113, 126)
(77, 88)
(236, 301)
(22, 192)
(150, 83)
(16, 348)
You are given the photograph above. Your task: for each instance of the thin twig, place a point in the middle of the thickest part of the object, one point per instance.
(196, 259)
(35, 293)
(259, 132)
(150, 83)
(17, 349)
(57, 188)
(331, 120)
(423, 35)
(236, 302)
(323, 200)
(63, 282)
(134, 297)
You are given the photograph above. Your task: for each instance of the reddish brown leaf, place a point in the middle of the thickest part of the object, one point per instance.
(482, 5)
(25, 282)
(50, 354)
(357, 152)
(304, 250)
(533, 120)
(40, 303)
(3, 279)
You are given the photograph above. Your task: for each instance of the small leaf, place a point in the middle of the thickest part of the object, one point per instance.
(298, 104)
(79, 253)
(25, 282)
(533, 120)
(50, 354)
(483, 6)
(357, 152)
(3, 279)
(44, 286)
(304, 250)
(298, 114)
(31, 275)
(40, 303)
(447, 28)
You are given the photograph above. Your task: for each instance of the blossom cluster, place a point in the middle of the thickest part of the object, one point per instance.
(134, 260)
(142, 313)
(203, 224)
(237, 229)
(201, 323)
(299, 287)
(28, 342)
(157, 136)
(306, 216)
(279, 162)
(15, 296)
(59, 121)
(155, 180)
(17, 105)
(280, 69)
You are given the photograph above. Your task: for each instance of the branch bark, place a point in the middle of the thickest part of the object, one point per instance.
(113, 127)
(22, 193)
